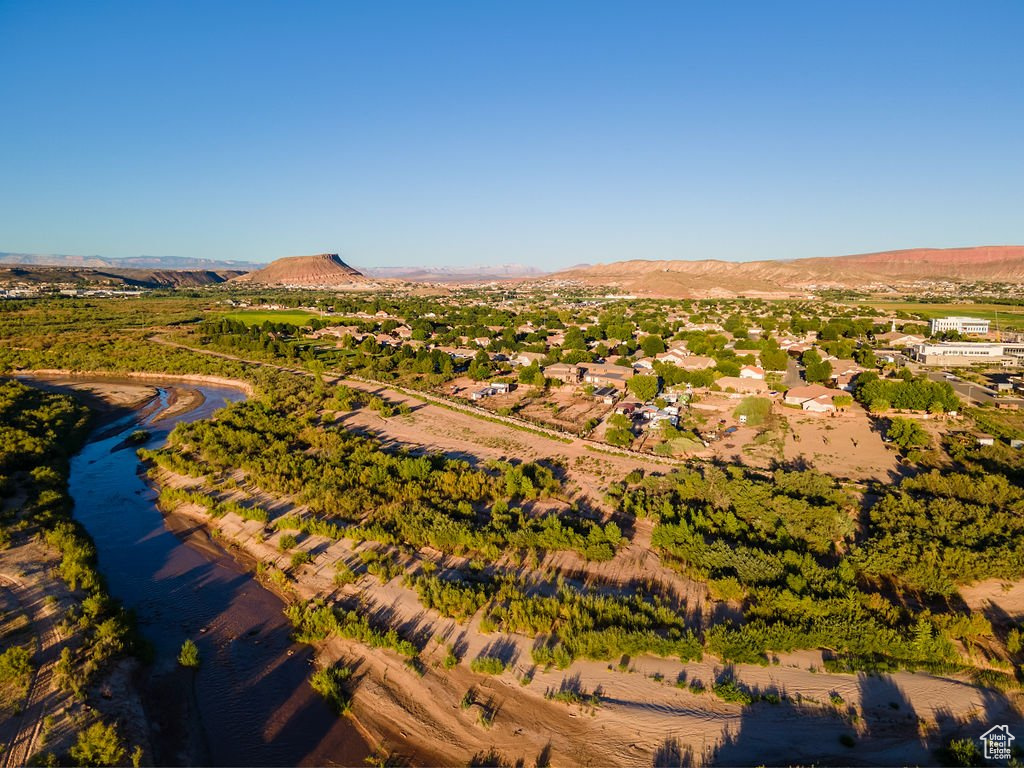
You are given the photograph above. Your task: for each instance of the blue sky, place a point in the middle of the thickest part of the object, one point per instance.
(543, 133)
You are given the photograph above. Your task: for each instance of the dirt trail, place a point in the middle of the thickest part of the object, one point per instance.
(41, 693)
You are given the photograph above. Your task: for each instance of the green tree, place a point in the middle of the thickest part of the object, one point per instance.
(963, 752)
(98, 745)
(574, 339)
(816, 370)
(652, 345)
(330, 683)
(907, 434)
(644, 387)
(774, 359)
(865, 356)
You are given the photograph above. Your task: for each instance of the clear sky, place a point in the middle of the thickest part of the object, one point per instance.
(545, 133)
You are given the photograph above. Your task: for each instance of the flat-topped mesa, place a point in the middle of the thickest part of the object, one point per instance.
(323, 269)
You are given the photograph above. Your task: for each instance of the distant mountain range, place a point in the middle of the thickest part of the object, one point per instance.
(899, 270)
(131, 262)
(411, 274)
(455, 274)
(903, 270)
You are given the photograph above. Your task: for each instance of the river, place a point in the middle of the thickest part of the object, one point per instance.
(250, 702)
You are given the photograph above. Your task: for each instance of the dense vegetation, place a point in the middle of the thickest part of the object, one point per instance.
(906, 393)
(786, 546)
(938, 530)
(355, 489)
(38, 433)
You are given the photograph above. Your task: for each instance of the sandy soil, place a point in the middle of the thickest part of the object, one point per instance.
(100, 394)
(25, 578)
(116, 394)
(105, 376)
(1001, 601)
(846, 446)
(181, 400)
(460, 435)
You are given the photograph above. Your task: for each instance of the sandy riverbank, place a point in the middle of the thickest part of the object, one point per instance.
(111, 376)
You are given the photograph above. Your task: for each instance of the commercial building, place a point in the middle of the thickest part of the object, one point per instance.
(967, 353)
(966, 325)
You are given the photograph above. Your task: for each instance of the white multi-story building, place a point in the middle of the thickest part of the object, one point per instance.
(967, 325)
(967, 353)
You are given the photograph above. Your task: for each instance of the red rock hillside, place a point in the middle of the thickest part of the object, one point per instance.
(324, 270)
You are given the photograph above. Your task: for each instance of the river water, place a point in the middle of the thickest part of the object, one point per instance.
(250, 702)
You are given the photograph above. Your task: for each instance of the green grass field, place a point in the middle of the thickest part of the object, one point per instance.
(260, 316)
(1009, 317)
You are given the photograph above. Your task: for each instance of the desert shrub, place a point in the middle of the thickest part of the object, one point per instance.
(487, 665)
(15, 674)
(330, 683)
(188, 656)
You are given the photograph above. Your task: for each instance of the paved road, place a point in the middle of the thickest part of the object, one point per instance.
(792, 376)
(40, 698)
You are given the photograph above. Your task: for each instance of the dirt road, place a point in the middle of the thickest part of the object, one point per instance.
(41, 694)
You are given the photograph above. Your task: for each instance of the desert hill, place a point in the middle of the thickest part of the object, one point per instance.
(887, 269)
(323, 270)
(135, 278)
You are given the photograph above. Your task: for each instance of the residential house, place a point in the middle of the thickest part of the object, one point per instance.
(676, 357)
(605, 375)
(459, 353)
(843, 374)
(527, 358)
(796, 348)
(813, 397)
(627, 407)
(752, 372)
(697, 363)
(564, 372)
(896, 339)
